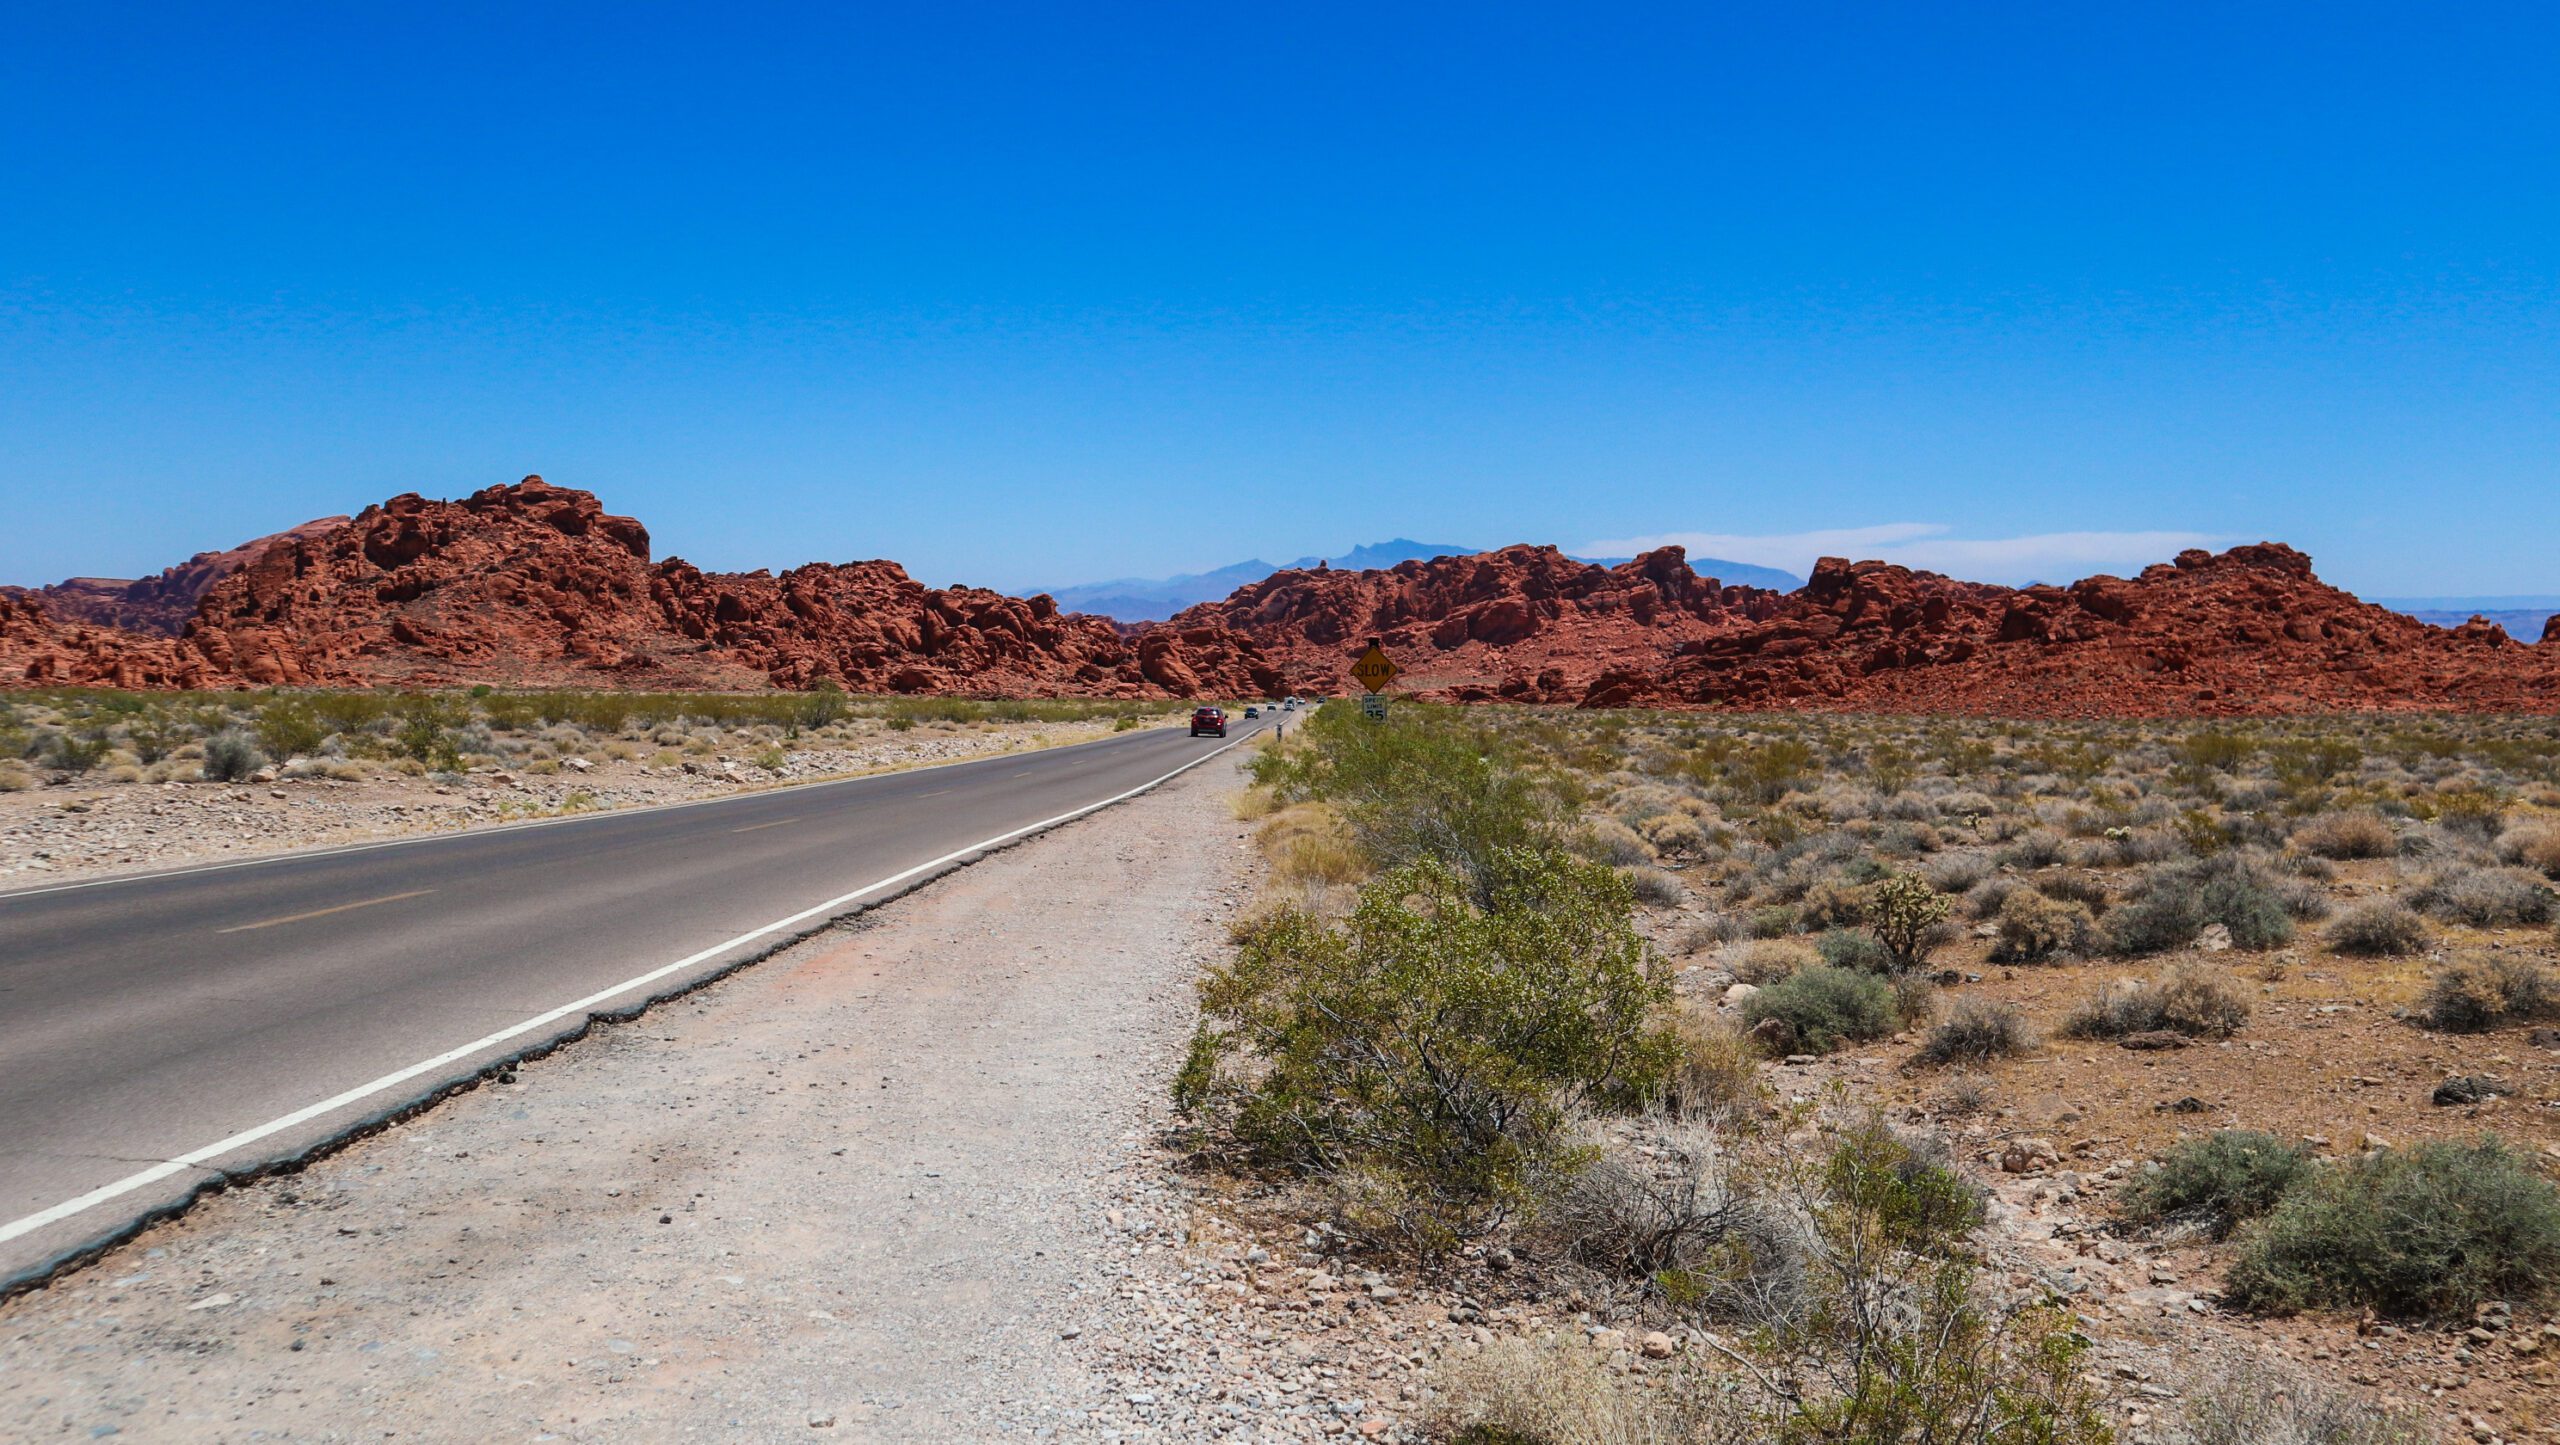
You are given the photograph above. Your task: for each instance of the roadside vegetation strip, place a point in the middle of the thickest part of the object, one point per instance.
(203, 1158)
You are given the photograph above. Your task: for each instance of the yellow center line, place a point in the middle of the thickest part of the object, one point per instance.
(776, 823)
(325, 912)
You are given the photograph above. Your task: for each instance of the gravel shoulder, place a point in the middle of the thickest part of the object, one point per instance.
(899, 1182)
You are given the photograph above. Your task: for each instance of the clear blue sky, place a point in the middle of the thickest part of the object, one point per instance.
(1054, 293)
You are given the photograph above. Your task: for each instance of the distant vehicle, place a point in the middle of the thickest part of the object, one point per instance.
(1289, 704)
(1253, 712)
(1209, 721)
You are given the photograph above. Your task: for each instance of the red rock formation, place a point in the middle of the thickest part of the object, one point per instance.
(533, 585)
(162, 604)
(1527, 623)
(2251, 631)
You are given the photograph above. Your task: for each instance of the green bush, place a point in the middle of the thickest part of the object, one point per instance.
(287, 728)
(2431, 1231)
(2220, 1181)
(1823, 1007)
(1426, 1053)
(2175, 904)
(1429, 784)
(1842, 949)
(229, 756)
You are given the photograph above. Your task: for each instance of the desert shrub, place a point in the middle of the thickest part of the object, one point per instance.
(1615, 844)
(1984, 900)
(2039, 848)
(2535, 847)
(2033, 928)
(1425, 1053)
(2482, 897)
(2086, 889)
(2429, 1231)
(2302, 899)
(2481, 990)
(70, 751)
(1977, 1032)
(1824, 1007)
(1428, 785)
(1653, 887)
(2255, 1405)
(1674, 833)
(1774, 921)
(1708, 931)
(1717, 1074)
(1831, 903)
(2377, 927)
(1894, 1337)
(1561, 1390)
(2220, 1181)
(1904, 914)
(2470, 813)
(2359, 833)
(1766, 960)
(229, 757)
(1956, 872)
(1841, 948)
(2189, 999)
(2175, 904)
(1638, 1218)
(288, 728)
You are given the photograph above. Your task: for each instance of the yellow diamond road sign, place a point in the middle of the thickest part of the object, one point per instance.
(1373, 670)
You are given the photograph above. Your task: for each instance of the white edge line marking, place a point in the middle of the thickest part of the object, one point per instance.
(447, 835)
(196, 1158)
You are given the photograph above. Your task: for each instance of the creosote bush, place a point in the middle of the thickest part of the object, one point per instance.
(2220, 1181)
(1425, 1053)
(2430, 1231)
(1824, 1007)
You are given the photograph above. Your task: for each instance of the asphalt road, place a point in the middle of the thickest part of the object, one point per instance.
(157, 1029)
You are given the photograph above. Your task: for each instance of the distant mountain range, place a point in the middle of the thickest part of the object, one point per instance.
(1153, 599)
(2522, 616)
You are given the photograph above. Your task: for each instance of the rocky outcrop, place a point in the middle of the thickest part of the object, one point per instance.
(160, 605)
(2248, 631)
(533, 585)
(1524, 623)
(2251, 630)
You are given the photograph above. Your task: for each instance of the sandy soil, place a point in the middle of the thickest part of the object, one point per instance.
(83, 829)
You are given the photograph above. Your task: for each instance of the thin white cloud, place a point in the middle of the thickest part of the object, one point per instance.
(1929, 546)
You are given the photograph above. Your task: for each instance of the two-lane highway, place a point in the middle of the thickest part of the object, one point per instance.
(157, 1029)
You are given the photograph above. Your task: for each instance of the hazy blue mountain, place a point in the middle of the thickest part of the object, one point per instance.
(1730, 573)
(1152, 599)
(2522, 616)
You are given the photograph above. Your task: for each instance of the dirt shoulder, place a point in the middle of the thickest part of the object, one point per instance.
(897, 1183)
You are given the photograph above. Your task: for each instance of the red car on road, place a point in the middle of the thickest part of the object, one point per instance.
(1211, 721)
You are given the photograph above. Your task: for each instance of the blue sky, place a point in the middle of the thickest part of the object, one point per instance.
(1048, 294)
